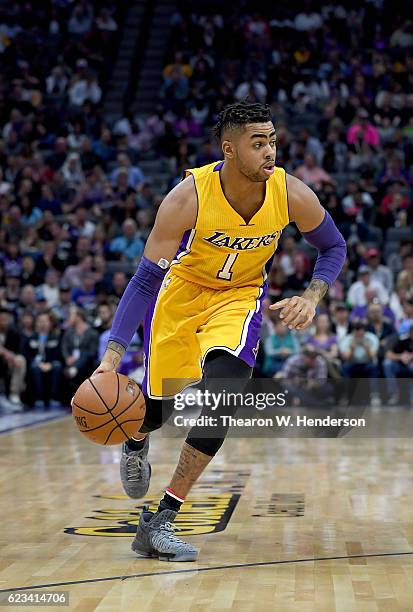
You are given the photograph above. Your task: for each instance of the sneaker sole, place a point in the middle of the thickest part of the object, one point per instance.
(163, 556)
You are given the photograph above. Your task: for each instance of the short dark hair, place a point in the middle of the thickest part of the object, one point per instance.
(241, 113)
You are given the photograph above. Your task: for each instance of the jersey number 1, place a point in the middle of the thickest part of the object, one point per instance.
(226, 271)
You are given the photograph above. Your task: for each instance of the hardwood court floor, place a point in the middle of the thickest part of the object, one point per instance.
(282, 524)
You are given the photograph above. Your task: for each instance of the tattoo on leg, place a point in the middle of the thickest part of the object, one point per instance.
(190, 466)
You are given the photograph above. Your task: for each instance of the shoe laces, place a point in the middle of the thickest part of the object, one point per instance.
(133, 467)
(168, 531)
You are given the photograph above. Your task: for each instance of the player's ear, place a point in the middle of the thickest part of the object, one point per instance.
(228, 149)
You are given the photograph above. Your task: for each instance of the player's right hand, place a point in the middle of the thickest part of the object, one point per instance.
(103, 367)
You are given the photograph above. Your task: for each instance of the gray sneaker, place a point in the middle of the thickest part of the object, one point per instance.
(135, 470)
(155, 538)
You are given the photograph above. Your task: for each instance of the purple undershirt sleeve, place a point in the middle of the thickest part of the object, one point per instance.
(135, 301)
(331, 247)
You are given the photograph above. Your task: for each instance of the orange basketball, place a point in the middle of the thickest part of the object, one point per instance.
(108, 408)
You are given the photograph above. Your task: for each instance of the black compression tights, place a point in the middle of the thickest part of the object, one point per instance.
(218, 365)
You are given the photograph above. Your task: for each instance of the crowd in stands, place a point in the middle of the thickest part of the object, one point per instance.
(76, 207)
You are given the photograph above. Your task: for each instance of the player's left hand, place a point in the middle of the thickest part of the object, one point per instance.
(296, 312)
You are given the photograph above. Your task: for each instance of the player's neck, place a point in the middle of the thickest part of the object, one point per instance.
(239, 188)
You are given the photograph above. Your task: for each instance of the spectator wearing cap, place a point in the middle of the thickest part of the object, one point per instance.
(61, 310)
(357, 292)
(359, 352)
(378, 272)
(398, 363)
(42, 352)
(79, 347)
(363, 131)
(340, 317)
(12, 361)
(127, 247)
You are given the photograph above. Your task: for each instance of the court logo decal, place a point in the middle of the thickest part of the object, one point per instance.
(207, 510)
(280, 504)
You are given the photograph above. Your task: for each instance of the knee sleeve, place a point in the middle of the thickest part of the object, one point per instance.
(219, 365)
(157, 412)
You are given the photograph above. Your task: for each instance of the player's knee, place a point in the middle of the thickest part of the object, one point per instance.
(221, 364)
(208, 446)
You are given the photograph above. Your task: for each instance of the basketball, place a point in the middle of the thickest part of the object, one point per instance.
(108, 408)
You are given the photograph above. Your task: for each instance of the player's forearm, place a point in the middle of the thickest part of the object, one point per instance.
(315, 291)
(135, 302)
(113, 354)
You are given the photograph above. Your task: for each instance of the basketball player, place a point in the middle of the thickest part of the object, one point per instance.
(200, 285)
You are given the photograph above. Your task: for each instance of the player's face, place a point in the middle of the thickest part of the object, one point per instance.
(255, 151)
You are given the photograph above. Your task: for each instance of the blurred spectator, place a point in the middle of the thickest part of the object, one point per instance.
(127, 247)
(341, 321)
(381, 327)
(358, 290)
(378, 272)
(305, 377)
(135, 174)
(398, 363)
(363, 131)
(44, 363)
(13, 363)
(311, 174)
(79, 348)
(358, 351)
(73, 274)
(61, 309)
(325, 343)
(50, 288)
(279, 344)
(85, 295)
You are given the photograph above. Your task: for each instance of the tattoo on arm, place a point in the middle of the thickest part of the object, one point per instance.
(114, 353)
(316, 290)
(190, 466)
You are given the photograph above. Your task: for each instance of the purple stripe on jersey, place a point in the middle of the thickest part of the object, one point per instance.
(146, 338)
(218, 166)
(183, 243)
(250, 349)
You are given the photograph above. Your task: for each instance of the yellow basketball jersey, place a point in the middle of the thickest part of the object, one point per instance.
(222, 251)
